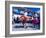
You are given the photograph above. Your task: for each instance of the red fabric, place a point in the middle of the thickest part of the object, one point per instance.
(35, 21)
